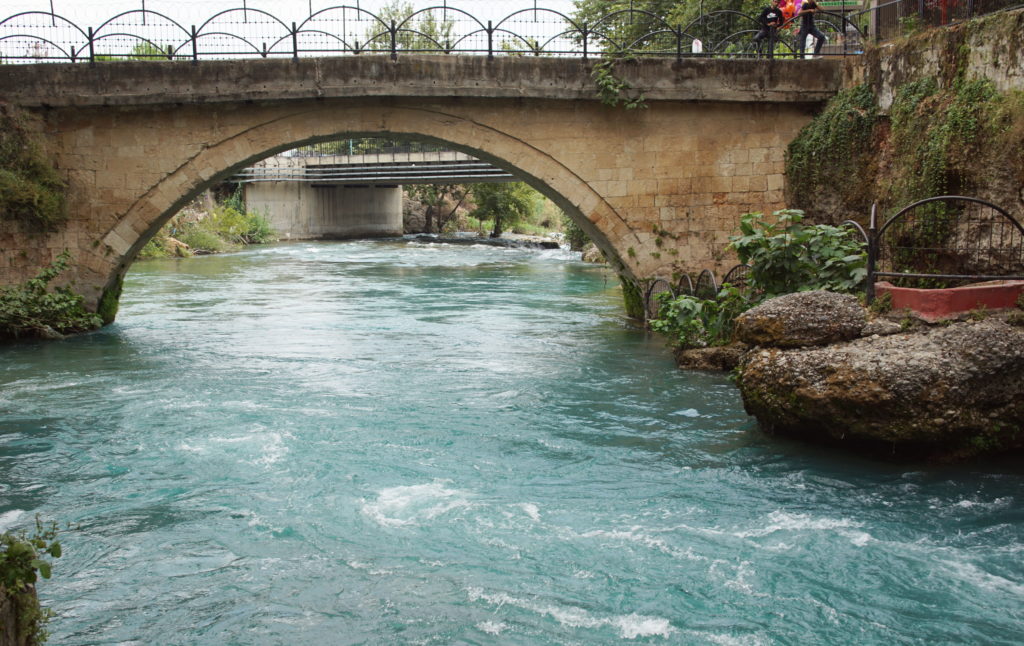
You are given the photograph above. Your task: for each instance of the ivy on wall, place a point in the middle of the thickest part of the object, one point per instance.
(31, 189)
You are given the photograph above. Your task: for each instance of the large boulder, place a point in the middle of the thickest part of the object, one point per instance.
(948, 391)
(802, 319)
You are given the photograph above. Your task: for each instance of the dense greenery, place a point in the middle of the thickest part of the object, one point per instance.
(227, 227)
(644, 28)
(31, 189)
(32, 309)
(23, 558)
(784, 256)
(503, 203)
(790, 256)
(835, 150)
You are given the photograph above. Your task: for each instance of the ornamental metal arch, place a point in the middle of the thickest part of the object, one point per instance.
(244, 32)
(944, 240)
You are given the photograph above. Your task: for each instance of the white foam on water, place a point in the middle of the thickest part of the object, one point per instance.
(9, 518)
(531, 510)
(687, 412)
(492, 627)
(731, 640)
(780, 521)
(635, 535)
(982, 579)
(413, 504)
(630, 626)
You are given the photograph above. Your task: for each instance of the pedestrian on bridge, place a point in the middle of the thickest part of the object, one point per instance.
(808, 28)
(770, 20)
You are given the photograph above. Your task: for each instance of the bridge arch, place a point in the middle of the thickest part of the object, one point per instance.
(221, 159)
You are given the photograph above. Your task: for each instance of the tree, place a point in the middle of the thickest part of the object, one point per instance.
(631, 30)
(435, 196)
(426, 33)
(505, 203)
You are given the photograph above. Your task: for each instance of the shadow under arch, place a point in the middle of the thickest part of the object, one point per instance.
(221, 159)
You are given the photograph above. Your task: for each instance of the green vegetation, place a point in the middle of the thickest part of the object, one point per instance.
(505, 204)
(23, 559)
(228, 227)
(425, 33)
(790, 256)
(31, 189)
(785, 256)
(952, 133)
(835, 150)
(574, 235)
(32, 309)
(613, 90)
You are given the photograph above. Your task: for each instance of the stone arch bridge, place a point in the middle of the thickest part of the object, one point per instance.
(658, 189)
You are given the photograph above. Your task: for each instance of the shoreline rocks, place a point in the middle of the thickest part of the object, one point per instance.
(940, 392)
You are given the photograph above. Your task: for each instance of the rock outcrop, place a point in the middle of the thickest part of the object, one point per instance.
(948, 391)
(802, 319)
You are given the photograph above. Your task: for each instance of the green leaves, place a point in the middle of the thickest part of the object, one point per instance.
(788, 256)
(613, 90)
(784, 256)
(33, 310)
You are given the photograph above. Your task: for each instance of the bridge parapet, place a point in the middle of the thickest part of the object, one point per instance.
(136, 83)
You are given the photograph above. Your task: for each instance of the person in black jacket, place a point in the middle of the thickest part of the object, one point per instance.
(807, 27)
(770, 20)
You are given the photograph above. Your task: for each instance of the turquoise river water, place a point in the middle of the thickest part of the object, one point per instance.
(396, 443)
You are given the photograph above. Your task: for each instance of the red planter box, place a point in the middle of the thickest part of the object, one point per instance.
(936, 304)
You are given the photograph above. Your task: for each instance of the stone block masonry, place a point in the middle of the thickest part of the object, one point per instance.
(658, 189)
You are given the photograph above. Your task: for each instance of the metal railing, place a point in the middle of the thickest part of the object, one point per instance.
(887, 20)
(239, 33)
(706, 287)
(944, 241)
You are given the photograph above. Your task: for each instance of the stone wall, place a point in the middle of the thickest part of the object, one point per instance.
(988, 47)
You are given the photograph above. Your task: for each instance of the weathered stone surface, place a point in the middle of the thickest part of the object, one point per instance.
(953, 390)
(802, 319)
(881, 327)
(721, 358)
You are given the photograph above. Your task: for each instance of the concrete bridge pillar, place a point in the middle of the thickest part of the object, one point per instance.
(304, 211)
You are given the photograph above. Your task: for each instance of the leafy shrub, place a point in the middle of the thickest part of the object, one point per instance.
(785, 256)
(239, 226)
(202, 240)
(30, 309)
(789, 256)
(692, 322)
(22, 561)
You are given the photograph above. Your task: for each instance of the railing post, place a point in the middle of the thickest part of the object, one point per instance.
(295, 42)
(586, 37)
(195, 45)
(72, 54)
(394, 40)
(490, 40)
(679, 45)
(170, 52)
(869, 287)
(92, 49)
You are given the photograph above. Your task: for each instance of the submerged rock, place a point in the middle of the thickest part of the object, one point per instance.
(948, 391)
(802, 319)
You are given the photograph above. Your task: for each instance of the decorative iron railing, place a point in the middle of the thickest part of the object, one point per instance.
(894, 18)
(40, 36)
(944, 241)
(706, 287)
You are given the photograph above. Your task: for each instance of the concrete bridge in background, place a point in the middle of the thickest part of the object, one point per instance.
(656, 189)
(309, 196)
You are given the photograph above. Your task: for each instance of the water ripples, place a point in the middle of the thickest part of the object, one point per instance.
(419, 444)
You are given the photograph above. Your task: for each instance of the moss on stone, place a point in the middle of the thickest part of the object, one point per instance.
(632, 298)
(110, 301)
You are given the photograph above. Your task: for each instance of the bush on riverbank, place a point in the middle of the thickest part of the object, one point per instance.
(32, 309)
(22, 561)
(227, 227)
(785, 256)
